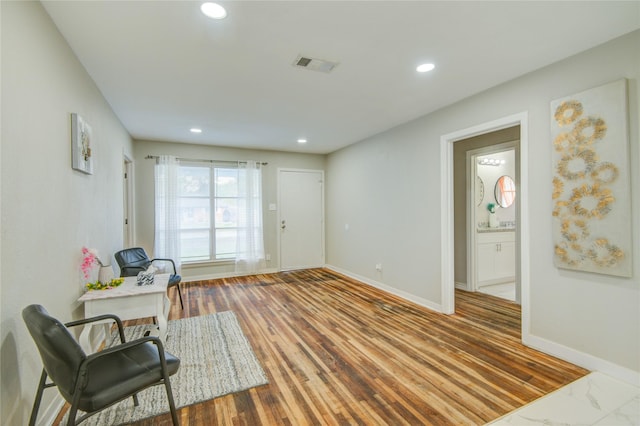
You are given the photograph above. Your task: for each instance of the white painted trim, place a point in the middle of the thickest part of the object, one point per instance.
(128, 168)
(524, 233)
(446, 198)
(582, 359)
(447, 268)
(380, 286)
(229, 274)
(462, 286)
(471, 167)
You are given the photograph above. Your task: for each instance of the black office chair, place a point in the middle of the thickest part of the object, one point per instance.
(91, 383)
(134, 260)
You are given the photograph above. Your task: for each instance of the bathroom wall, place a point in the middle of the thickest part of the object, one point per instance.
(490, 175)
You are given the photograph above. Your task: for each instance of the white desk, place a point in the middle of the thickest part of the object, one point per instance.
(127, 301)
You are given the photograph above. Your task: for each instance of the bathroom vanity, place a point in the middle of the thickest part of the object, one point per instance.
(496, 256)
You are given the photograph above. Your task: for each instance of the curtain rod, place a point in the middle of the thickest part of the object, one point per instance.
(149, 157)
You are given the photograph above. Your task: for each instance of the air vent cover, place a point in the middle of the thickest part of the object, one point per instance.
(314, 64)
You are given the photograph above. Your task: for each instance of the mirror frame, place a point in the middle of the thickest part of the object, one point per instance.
(500, 196)
(479, 190)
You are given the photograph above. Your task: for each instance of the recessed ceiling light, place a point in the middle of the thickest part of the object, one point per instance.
(195, 130)
(302, 141)
(213, 10)
(425, 67)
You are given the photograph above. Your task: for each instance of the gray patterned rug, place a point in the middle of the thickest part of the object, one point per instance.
(215, 359)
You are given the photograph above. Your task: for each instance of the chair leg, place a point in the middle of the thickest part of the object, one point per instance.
(71, 419)
(172, 405)
(75, 401)
(36, 402)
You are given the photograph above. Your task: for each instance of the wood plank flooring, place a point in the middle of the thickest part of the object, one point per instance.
(339, 352)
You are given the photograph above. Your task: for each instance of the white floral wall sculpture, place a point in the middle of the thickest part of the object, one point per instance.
(591, 192)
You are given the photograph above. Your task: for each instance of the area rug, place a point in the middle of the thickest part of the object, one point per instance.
(215, 359)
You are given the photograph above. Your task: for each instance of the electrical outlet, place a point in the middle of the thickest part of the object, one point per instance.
(379, 267)
(267, 257)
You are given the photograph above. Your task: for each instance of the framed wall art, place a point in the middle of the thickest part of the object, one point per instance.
(591, 181)
(81, 140)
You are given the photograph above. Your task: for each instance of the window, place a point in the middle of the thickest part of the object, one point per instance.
(208, 211)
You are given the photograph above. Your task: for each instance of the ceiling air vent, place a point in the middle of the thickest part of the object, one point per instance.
(314, 64)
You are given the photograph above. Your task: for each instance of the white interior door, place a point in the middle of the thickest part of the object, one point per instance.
(301, 218)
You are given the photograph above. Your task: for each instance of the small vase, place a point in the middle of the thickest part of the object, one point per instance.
(493, 220)
(105, 274)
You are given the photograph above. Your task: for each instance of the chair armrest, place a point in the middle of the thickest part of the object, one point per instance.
(82, 376)
(167, 260)
(115, 318)
(155, 340)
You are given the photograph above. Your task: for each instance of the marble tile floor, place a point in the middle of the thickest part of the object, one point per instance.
(504, 291)
(595, 399)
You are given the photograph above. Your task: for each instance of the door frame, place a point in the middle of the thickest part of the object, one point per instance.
(128, 224)
(447, 241)
(472, 171)
(279, 219)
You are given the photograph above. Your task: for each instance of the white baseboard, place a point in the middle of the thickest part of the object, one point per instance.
(407, 296)
(582, 359)
(223, 275)
(461, 286)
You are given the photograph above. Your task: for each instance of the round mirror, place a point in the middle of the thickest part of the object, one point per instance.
(479, 190)
(505, 191)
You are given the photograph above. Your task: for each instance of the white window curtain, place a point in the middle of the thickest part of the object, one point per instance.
(167, 235)
(250, 242)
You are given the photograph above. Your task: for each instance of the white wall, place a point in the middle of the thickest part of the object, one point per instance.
(144, 189)
(49, 211)
(388, 188)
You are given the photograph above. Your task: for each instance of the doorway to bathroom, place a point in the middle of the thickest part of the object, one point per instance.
(485, 174)
(453, 225)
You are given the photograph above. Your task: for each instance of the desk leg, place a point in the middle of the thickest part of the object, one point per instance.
(84, 339)
(107, 333)
(167, 306)
(163, 311)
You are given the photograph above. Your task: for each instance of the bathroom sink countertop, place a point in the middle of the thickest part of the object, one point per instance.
(497, 229)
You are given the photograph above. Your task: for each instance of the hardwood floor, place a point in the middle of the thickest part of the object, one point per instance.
(339, 352)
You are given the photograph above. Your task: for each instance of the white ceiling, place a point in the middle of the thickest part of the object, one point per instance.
(164, 67)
